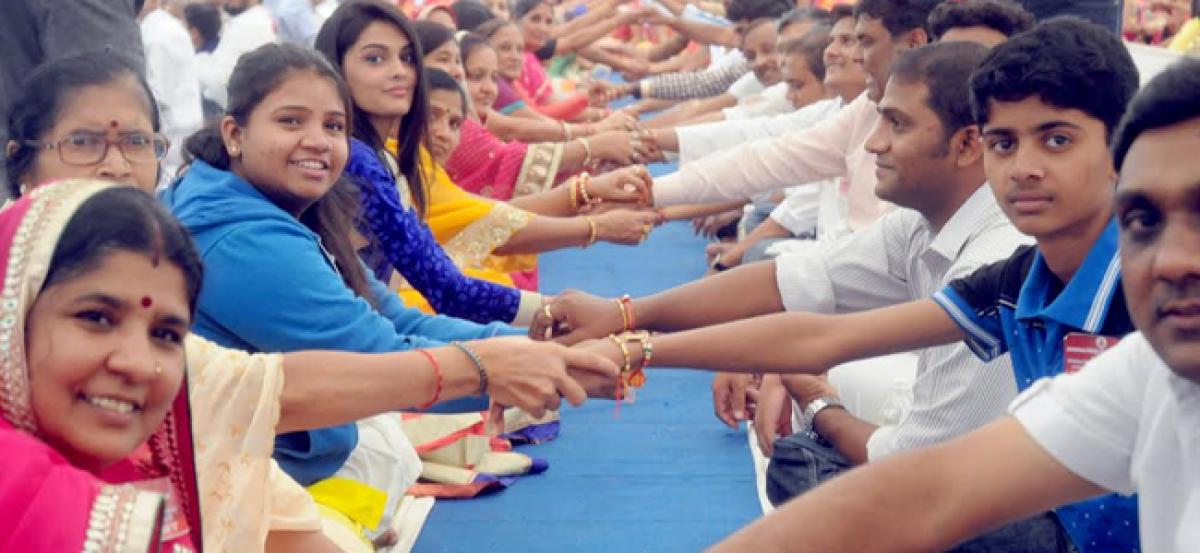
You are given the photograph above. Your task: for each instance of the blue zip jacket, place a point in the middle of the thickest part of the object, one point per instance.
(269, 286)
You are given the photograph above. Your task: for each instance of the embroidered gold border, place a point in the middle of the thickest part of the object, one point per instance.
(471, 246)
(539, 169)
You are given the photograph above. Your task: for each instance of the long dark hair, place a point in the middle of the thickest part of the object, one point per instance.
(337, 35)
(38, 103)
(256, 75)
(124, 219)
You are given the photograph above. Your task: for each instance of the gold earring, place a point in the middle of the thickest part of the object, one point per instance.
(234, 151)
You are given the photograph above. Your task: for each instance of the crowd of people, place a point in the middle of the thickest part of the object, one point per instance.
(242, 236)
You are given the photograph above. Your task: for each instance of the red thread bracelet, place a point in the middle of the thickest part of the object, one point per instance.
(437, 372)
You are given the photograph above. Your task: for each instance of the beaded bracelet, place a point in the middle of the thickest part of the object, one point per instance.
(584, 179)
(483, 375)
(437, 374)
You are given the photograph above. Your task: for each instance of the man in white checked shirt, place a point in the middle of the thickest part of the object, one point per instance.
(930, 161)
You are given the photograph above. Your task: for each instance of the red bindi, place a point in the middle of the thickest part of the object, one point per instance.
(113, 123)
(147, 302)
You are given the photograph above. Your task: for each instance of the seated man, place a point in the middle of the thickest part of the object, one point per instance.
(1047, 102)
(760, 44)
(987, 22)
(1126, 423)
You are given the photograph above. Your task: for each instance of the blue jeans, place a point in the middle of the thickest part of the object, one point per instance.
(1103, 12)
(803, 461)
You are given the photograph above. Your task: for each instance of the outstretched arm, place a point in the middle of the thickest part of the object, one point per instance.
(927, 500)
(800, 342)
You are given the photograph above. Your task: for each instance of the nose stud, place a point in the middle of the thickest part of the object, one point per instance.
(157, 370)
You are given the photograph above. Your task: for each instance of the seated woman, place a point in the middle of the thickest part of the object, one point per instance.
(91, 116)
(370, 43)
(514, 99)
(545, 40)
(268, 183)
(520, 124)
(100, 285)
(490, 167)
(478, 234)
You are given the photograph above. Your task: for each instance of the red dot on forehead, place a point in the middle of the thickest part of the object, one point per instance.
(113, 123)
(146, 301)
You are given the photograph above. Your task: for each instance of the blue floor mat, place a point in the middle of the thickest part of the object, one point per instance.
(666, 476)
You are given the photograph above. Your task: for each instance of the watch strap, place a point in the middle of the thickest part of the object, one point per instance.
(820, 404)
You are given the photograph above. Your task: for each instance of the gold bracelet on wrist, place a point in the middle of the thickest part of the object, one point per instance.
(566, 131)
(573, 193)
(587, 151)
(592, 233)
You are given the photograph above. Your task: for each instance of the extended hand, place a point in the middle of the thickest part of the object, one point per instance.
(729, 393)
(574, 316)
(536, 376)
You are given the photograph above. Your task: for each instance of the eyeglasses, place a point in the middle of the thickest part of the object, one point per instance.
(89, 148)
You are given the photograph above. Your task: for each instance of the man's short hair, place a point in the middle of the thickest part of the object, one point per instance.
(1067, 62)
(1003, 16)
(749, 10)
(898, 16)
(1171, 97)
(945, 69)
(840, 12)
(205, 17)
(803, 15)
(810, 47)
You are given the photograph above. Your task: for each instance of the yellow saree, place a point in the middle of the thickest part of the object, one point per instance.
(469, 228)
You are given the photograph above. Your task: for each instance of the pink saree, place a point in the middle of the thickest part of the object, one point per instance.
(146, 502)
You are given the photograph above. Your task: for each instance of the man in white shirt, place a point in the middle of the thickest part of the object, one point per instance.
(1128, 422)
(296, 20)
(831, 149)
(250, 25)
(171, 74)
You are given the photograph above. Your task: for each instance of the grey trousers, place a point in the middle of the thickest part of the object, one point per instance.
(803, 461)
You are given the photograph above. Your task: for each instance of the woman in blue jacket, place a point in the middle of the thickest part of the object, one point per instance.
(271, 217)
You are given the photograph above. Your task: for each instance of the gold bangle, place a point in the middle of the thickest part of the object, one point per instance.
(573, 193)
(587, 151)
(591, 231)
(566, 131)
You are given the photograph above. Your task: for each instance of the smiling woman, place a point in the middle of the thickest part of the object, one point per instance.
(88, 375)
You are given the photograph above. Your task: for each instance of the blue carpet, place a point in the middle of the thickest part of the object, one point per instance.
(666, 476)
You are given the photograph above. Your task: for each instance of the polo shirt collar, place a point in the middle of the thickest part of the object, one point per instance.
(1084, 302)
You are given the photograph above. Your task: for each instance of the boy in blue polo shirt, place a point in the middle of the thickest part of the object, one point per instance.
(1047, 102)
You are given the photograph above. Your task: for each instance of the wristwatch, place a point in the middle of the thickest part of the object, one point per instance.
(820, 404)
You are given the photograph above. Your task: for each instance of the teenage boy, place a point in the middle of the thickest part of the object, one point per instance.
(1127, 422)
(1047, 102)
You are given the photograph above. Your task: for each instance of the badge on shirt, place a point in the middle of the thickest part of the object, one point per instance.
(1079, 348)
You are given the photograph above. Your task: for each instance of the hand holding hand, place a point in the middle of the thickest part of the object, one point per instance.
(534, 376)
(625, 226)
(630, 186)
(574, 316)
